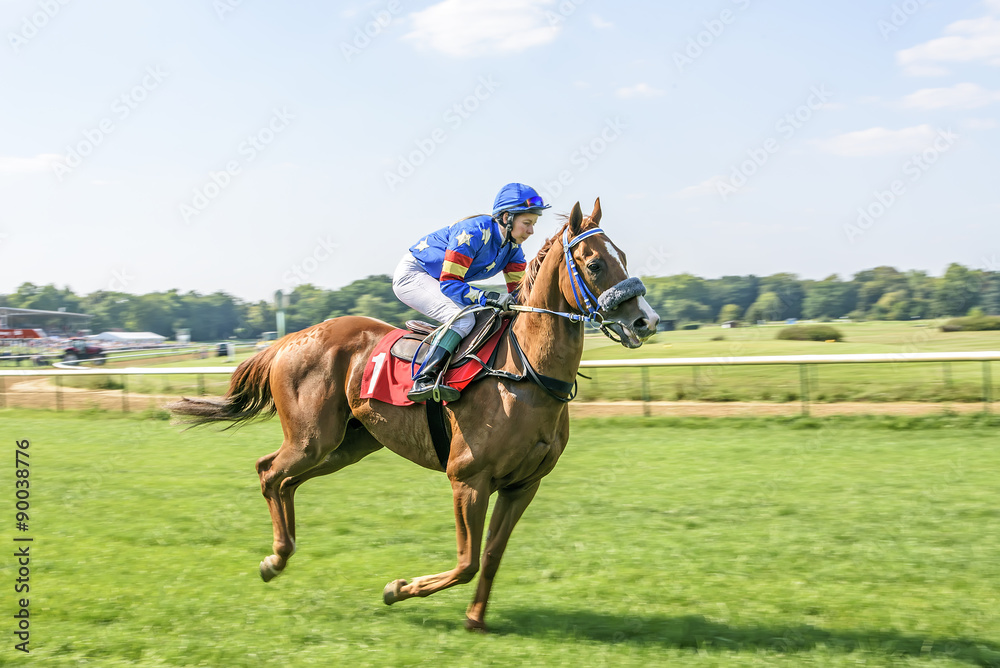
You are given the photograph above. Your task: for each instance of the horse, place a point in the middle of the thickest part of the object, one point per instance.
(507, 431)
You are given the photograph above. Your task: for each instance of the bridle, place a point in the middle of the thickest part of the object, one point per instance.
(587, 302)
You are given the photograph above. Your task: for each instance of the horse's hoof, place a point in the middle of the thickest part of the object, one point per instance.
(267, 571)
(391, 592)
(475, 626)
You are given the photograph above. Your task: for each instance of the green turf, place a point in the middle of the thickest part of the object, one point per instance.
(677, 542)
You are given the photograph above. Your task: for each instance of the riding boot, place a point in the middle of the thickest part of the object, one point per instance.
(437, 358)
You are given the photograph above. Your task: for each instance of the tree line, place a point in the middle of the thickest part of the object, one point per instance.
(882, 293)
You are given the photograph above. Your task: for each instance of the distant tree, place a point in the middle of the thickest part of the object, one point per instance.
(259, 318)
(153, 312)
(739, 290)
(109, 309)
(957, 291)
(990, 298)
(730, 312)
(892, 306)
(767, 307)
(788, 289)
(308, 305)
(873, 283)
(684, 309)
(829, 298)
(376, 307)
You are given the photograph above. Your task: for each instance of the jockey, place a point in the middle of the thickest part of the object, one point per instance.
(433, 276)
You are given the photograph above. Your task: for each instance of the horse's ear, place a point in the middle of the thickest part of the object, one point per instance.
(575, 220)
(596, 216)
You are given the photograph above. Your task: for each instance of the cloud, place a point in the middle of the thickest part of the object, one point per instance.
(638, 90)
(707, 187)
(878, 141)
(40, 163)
(598, 22)
(981, 123)
(464, 28)
(959, 96)
(970, 40)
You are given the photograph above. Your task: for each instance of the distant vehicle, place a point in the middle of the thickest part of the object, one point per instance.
(80, 349)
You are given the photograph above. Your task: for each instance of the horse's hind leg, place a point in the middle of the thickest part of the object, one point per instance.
(356, 444)
(312, 430)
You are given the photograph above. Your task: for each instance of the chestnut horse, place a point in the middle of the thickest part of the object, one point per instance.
(506, 434)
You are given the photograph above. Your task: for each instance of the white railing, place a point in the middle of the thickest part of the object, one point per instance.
(803, 362)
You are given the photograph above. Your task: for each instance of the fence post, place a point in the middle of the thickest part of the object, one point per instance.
(3, 392)
(804, 388)
(201, 385)
(947, 373)
(59, 403)
(987, 387)
(645, 391)
(124, 393)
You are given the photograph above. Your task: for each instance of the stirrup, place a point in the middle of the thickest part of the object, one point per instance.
(432, 392)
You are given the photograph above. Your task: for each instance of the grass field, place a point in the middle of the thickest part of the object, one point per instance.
(853, 382)
(694, 542)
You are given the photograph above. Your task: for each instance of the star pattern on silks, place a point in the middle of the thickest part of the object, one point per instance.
(473, 294)
(491, 265)
(463, 238)
(423, 245)
(486, 235)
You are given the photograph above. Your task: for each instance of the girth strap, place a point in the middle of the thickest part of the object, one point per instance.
(439, 431)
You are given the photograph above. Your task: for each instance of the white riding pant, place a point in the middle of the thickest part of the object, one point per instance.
(421, 291)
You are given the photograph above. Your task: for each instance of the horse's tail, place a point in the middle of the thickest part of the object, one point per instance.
(249, 394)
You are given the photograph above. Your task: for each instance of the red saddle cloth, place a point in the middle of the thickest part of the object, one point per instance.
(388, 379)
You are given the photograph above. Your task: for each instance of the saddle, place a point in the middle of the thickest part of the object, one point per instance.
(388, 374)
(487, 324)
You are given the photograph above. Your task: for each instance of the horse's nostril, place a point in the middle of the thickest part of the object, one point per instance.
(640, 324)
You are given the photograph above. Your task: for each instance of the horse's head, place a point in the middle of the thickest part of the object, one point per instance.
(596, 265)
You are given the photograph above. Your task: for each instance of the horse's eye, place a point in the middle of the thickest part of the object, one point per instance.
(594, 267)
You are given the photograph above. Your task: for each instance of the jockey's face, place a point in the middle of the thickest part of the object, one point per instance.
(524, 226)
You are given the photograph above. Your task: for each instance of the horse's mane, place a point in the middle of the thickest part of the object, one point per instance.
(531, 273)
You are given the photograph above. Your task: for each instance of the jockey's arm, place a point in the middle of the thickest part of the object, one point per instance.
(458, 257)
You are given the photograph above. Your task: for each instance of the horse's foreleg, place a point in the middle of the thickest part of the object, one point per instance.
(510, 505)
(471, 504)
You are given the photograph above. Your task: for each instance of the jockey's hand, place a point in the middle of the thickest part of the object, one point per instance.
(502, 302)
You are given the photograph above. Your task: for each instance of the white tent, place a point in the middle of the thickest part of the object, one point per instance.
(129, 337)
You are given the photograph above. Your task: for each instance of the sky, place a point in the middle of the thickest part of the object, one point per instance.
(247, 147)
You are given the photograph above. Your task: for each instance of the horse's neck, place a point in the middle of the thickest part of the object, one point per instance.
(553, 344)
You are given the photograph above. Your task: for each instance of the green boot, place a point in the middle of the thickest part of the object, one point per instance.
(443, 345)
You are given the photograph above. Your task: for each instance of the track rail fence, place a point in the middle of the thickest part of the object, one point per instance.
(804, 362)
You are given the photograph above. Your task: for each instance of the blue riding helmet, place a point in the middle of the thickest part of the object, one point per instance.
(516, 198)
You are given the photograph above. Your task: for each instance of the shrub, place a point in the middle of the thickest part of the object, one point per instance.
(691, 325)
(810, 333)
(980, 323)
